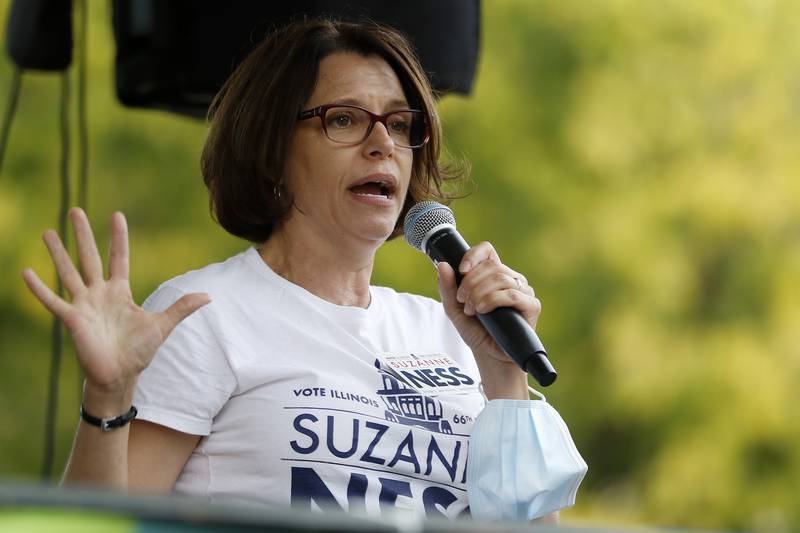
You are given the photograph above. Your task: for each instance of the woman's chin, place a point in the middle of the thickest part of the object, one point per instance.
(375, 231)
(375, 226)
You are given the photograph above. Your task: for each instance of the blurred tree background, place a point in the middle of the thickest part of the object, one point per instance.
(637, 160)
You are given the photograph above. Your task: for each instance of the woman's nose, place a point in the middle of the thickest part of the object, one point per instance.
(379, 142)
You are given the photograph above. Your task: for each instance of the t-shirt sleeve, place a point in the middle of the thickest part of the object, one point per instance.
(189, 379)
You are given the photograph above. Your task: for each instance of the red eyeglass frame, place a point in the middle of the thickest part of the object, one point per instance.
(322, 110)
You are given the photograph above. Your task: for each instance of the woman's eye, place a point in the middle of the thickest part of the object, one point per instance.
(399, 125)
(340, 120)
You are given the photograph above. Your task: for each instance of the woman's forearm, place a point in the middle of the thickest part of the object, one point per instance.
(501, 380)
(100, 458)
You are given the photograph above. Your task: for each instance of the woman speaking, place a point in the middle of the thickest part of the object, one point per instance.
(281, 375)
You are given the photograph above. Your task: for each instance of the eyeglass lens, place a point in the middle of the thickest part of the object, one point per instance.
(351, 125)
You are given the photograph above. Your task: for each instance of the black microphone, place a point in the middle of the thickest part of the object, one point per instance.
(430, 227)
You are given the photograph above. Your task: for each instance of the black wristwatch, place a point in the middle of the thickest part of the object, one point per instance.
(107, 424)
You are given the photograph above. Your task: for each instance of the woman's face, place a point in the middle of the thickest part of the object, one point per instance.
(352, 192)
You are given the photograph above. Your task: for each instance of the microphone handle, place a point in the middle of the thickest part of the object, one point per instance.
(506, 326)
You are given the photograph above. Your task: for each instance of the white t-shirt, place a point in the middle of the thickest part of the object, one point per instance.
(305, 403)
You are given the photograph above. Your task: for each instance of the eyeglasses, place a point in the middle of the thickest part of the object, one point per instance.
(349, 124)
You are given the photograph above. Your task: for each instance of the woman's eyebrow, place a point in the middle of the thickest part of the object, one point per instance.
(394, 104)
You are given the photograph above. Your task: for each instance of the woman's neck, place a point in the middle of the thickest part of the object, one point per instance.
(336, 273)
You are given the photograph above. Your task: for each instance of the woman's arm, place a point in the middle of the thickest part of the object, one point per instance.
(115, 340)
(98, 458)
(138, 457)
(551, 519)
(487, 285)
(156, 456)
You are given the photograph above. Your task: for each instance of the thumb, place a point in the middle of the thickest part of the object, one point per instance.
(448, 288)
(185, 306)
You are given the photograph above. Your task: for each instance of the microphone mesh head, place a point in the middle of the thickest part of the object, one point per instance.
(422, 218)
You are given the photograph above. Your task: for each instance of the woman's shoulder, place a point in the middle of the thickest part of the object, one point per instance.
(228, 277)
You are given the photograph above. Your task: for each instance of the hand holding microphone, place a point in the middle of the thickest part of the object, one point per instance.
(430, 228)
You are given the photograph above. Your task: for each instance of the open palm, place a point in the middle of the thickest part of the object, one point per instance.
(114, 338)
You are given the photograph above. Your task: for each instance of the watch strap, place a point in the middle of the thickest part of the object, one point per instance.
(107, 424)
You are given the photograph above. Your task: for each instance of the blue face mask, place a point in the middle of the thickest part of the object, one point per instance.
(522, 462)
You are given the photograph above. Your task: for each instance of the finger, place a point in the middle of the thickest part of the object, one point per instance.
(469, 309)
(486, 277)
(181, 309)
(530, 308)
(118, 253)
(484, 299)
(479, 253)
(88, 256)
(44, 294)
(447, 288)
(478, 287)
(66, 270)
(523, 285)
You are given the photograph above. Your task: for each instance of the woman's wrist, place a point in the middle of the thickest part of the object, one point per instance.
(502, 380)
(104, 402)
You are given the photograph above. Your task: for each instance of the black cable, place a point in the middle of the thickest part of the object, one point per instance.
(11, 109)
(57, 332)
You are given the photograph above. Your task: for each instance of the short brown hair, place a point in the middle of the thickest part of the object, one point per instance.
(254, 114)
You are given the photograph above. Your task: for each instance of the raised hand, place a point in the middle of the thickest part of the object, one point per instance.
(114, 338)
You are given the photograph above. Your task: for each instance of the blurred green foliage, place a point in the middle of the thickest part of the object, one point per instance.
(38, 521)
(637, 160)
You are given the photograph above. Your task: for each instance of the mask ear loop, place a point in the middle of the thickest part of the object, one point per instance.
(480, 389)
(537, 393)
(530, 389)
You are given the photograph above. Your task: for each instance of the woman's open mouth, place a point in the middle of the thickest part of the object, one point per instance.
(376, 189)
(373, 188)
